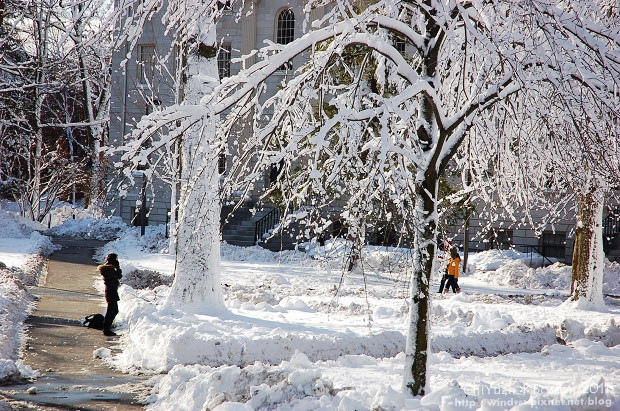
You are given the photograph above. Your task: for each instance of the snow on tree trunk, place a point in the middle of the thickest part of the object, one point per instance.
(172, 239)
(197, 270)
(588, 255)
(418, 347)
(357, 236)
(41, 33)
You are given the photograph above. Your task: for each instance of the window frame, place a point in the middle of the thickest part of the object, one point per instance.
(145, 77)
(553, 244)
(285, 32)
(223, 65)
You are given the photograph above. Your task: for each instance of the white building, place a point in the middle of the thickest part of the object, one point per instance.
(147, 82)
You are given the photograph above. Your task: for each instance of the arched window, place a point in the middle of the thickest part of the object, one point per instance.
(285, 32)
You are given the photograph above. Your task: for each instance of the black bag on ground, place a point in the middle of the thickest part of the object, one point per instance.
(94, 321)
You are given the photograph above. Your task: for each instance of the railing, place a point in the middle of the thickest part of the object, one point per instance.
(266, 223)
(524, 248)
(529, 249)
(611, 227)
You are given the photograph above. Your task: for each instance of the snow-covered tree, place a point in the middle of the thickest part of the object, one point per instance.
(46, 48)
(563, 140)
(87, 26)
(442, 71)
(196, 238)
(589, 165)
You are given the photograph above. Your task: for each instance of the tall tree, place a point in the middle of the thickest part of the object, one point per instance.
(49, 47)
(196, 149)
(90, 31)
(462, 61)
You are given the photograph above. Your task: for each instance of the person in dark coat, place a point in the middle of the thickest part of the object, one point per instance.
(112, 274)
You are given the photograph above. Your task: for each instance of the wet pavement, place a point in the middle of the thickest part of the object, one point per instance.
(61, 348)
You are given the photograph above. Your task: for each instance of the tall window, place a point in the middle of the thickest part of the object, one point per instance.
(553, 244)
(146, 63)
(285, 32)
(224, 5)
(500, 239)
(223, 61)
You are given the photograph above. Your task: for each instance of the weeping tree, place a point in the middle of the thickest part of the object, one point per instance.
(590, 167)
(554, 147)
(442, 71)
(551, 168)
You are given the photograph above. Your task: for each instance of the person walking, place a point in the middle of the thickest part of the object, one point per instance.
(111, 272)
(447, 244)
(453, 271)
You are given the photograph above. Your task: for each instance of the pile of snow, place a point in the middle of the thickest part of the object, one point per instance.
(154, 240)
(494, 259)
(14, 226)
(91, 228)
(611, 280)
(22, 252)
(15, 303)
(517, 274)
(512, 268)
(63, 212)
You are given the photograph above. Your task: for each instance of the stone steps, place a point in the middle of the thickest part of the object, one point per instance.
(239, 228)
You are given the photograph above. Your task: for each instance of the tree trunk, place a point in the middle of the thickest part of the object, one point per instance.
(197, 270)
(357, 235)
(466, 237)
(41, 32)
(418, 347)
(94, 116)
(588, 256)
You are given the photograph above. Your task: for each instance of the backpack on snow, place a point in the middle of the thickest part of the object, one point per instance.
(94, 321)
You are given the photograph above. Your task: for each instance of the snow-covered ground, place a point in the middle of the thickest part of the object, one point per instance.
(299, 334)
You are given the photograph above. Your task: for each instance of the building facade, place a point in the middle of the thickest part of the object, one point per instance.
(144, 79)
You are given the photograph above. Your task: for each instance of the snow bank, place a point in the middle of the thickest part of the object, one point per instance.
(524, 270)
(15, 303)
(256, 385)
(89, 227)
(494, 259)
(22, 252)
(237, 339)
(295, 384)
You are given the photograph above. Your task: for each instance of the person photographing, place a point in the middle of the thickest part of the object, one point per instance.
(112, 274)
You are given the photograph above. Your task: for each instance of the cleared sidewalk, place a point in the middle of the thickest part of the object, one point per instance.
(61, 348)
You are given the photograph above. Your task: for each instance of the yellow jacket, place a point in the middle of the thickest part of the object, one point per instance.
(453, 266)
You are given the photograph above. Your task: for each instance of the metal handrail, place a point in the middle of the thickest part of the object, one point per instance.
(266, 223)
(529, 249)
